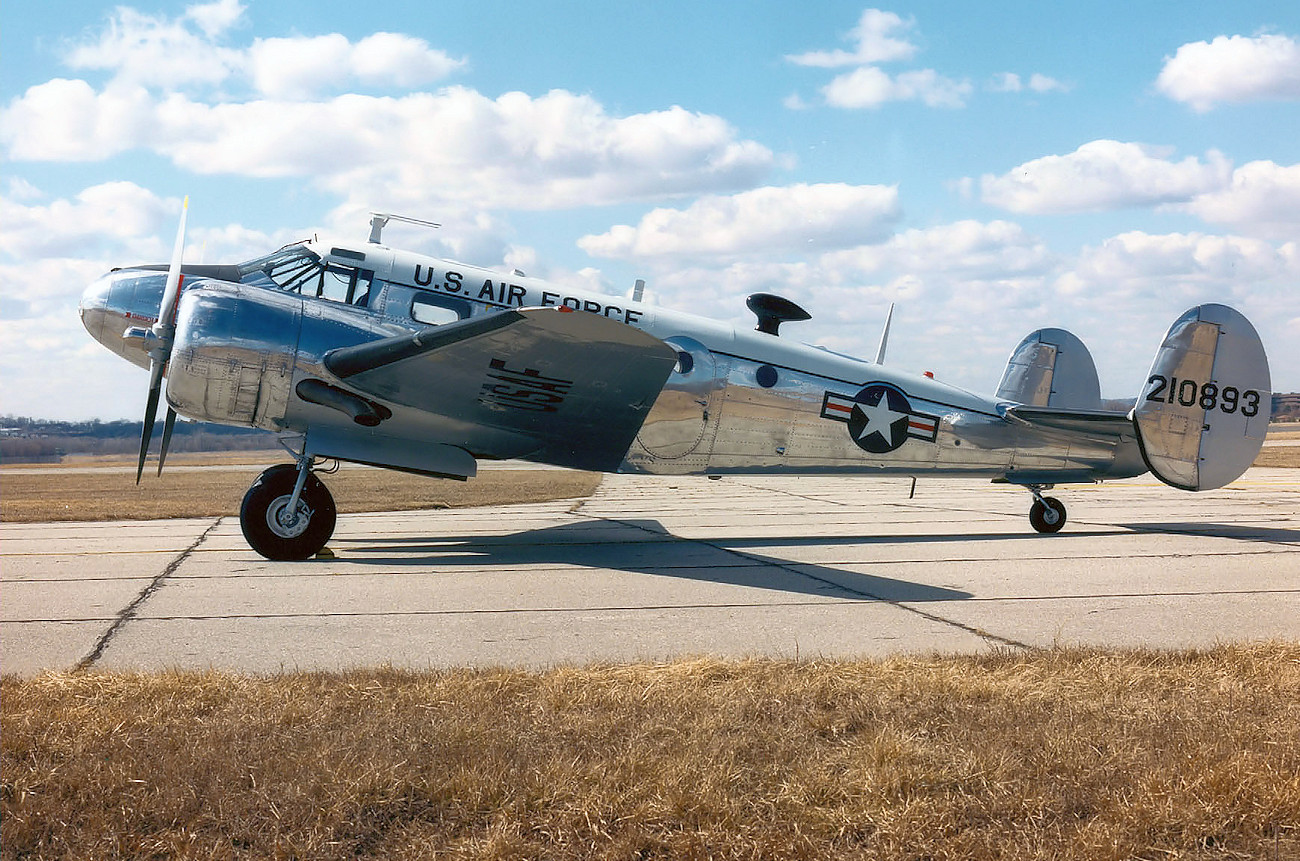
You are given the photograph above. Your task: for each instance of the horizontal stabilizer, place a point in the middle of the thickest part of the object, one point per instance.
(564, 387)
(1092, 422)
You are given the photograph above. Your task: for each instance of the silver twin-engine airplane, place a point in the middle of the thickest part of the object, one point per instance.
(360, 352)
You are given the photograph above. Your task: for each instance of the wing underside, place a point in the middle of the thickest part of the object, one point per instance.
(567, 388)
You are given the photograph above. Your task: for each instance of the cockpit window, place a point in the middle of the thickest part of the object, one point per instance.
(286, 269)
(297, 269)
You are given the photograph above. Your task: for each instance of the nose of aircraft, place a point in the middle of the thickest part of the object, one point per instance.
(119, 301)
(94, 305)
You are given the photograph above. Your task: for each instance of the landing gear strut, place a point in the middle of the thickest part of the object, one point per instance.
(288, 514)
(1047, 515)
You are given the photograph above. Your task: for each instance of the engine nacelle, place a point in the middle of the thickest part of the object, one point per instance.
(233, 357)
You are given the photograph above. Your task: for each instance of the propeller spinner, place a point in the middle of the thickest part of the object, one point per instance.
(160, 338)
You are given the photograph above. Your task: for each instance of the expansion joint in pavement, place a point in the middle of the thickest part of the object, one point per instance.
(129, 611)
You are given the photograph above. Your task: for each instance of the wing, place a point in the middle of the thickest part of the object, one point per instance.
(573, 387)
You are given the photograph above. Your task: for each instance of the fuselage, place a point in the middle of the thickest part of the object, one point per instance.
(738, 400)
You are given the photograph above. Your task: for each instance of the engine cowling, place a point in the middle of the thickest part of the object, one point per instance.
(233, 358)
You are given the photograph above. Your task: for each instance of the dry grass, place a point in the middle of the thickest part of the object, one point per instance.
(1283, 456)
(1048, 755)
(69, 495)
(61, 492)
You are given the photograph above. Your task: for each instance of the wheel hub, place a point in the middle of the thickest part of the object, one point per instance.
(285, 523)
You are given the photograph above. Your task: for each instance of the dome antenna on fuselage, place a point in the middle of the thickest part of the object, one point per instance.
(379, 219)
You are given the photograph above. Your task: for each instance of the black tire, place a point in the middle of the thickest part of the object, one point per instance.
(267, 498)
(1047, 518)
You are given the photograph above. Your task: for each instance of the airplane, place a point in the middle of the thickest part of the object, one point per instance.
(360, 352)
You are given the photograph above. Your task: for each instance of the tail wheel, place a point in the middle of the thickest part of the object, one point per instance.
(278, 533)
(1047, 514)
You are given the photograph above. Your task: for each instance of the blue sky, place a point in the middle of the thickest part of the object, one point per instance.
(990, 167)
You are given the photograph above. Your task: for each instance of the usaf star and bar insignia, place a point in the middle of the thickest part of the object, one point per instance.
(880, 418)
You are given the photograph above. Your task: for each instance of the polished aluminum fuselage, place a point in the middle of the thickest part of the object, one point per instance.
(738, 401)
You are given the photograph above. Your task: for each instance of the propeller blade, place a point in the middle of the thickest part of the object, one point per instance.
(164, 329)
(150, 413)
(168, 426)
(172, 291)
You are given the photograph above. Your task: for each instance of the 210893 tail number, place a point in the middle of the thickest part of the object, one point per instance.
(1208, 396)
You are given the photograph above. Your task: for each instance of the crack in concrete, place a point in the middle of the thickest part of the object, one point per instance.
(128, 612)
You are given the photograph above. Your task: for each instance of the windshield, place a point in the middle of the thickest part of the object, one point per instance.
(298, 269)
(287, 269)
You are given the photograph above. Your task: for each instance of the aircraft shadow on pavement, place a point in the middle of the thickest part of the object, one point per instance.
(645, 547)
(1219, 530)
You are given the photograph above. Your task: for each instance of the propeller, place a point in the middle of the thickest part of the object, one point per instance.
(163, 333)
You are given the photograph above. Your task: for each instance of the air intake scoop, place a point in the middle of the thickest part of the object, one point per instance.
(773, 310)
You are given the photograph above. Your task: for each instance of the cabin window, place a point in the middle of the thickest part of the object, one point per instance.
(344, 284)
(433, 309)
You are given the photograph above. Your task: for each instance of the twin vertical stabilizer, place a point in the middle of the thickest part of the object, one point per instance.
(1205, 410)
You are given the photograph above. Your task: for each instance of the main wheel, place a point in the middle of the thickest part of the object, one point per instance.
(277, 533)
(1049, 517)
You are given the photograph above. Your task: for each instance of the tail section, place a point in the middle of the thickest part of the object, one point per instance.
(1051, 368)
(1204, 412)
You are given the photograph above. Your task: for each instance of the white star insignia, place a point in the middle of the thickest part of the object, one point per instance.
(880, 419)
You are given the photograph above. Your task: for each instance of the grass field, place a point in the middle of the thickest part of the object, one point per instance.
(69, 491)
(1055, 754)
(72, 494)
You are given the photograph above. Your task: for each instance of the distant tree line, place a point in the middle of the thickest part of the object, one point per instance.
(28, 440)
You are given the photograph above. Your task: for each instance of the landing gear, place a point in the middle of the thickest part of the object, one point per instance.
(288, 514)
(1047, 515)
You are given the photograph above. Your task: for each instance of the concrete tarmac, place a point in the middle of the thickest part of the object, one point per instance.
(653, 568)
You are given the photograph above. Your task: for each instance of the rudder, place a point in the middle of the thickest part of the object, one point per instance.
(1204, 412)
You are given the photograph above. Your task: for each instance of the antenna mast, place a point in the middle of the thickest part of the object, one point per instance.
(379, 219)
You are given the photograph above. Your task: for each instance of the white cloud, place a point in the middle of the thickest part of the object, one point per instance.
(398, 60)
(969, 250)
(1041, 83)
(298, 67)
(1010, 82)
(764, 221)
(146, 50)
(214, 19)
(1103, 175)
(1263, 199)
(869, 87)
(66, 120)
(876, 35)
(555, 150)
(1232, 69)
(167, 54)
(1006, 82)
(114, 216)
(302, 67)
(1133, 263)
(1145, 279)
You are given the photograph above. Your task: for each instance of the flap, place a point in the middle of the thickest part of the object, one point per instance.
(575, 385)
